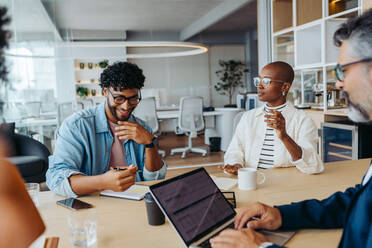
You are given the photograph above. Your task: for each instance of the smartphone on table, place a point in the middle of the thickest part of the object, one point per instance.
(74, 204)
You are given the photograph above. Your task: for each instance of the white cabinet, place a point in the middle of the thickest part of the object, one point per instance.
(224, 122)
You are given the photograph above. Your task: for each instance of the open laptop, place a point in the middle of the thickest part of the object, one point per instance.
(196, 208)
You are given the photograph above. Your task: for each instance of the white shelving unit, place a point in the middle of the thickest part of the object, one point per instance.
(302, 35)
(87, 74)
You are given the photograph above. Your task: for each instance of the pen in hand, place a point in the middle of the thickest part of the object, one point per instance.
(119, 168)
(123, 169)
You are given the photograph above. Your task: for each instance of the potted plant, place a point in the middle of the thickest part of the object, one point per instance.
(82, 91)
(103, 64)
(231, 77)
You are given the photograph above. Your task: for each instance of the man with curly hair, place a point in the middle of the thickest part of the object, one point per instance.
(95, 145)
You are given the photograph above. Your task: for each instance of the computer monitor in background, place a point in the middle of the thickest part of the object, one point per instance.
(247, 101)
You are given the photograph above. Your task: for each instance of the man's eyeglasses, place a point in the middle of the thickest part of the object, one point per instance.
(265, 82)
(339, 71)
(122, 99)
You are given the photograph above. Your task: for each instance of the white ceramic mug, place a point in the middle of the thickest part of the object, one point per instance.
(247, 178)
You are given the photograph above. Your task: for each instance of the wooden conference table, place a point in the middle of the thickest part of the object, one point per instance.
(123, 223)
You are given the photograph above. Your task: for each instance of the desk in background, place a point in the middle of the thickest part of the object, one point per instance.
(173, 114)
(167, 107)
(220, 120)
(123, 223)
(168, 120)
(40, 123)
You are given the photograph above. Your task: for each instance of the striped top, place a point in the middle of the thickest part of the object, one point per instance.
(266, 159)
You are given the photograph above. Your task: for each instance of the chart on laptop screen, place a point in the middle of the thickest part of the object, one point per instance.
(193, 203)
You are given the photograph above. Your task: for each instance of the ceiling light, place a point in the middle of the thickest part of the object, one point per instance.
(190, 49)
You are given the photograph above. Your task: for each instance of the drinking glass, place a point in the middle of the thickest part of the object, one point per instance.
(83, 228)
(33, 190)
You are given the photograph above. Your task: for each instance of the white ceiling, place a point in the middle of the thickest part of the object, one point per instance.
(116, 17)
(130, 15)
(27, 15)
(241, 20)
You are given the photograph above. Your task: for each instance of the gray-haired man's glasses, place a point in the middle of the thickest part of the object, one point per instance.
(339, 71)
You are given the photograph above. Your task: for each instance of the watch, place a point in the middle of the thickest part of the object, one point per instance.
(153, 143)
(265, 244)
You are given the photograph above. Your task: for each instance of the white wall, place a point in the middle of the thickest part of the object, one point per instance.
(188, 75)
(175, 77)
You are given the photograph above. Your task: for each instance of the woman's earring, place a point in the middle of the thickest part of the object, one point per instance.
(283, 93)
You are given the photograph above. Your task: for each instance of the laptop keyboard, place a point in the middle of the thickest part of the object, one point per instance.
(206, 243)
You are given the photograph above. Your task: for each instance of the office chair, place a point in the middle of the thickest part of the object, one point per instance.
(33, 109)
(79, 105)
(64, 110)
(146, 111)
(190, 120)
(29, 155)
(237, 120)
(86, 103)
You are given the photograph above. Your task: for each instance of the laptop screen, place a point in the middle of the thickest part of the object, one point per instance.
(193, 203)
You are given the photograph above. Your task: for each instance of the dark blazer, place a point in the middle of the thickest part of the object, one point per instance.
(350, 210)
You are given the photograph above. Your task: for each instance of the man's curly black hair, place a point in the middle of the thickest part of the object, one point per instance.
(121, 76)
(4, 36)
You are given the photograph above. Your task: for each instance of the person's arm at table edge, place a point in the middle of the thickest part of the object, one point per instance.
(327, 213)
(155, 175)
(234, 154)
(292, 147)
(116, 180)
(82, 184)
(62, 163)
(309, 162)
(22, 223)
(153, 161)
(157, 170)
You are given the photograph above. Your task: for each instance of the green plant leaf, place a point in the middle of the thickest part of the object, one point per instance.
(230, 77)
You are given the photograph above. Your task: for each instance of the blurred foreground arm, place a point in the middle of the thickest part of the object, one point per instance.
(20, 222)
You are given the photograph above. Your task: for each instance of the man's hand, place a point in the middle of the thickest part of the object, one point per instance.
(133, 131)
(119, 180)
(232, 169)
(276, 120)
(244, 238)
(265, 217)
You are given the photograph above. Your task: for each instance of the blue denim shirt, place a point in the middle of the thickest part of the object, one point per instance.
(83, 146)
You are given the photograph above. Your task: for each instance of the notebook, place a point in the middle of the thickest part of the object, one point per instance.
(197, 209)
(224, 183)
(135, 192)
